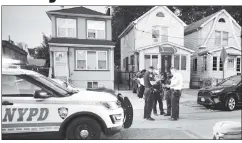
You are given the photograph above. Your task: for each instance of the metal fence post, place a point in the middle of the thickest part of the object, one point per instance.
(129, 80)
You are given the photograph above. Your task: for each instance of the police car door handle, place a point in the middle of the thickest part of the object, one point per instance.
(7, 103)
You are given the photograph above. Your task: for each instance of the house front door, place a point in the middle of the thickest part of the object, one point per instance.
(165, 63)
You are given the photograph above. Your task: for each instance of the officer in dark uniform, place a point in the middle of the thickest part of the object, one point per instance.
(167, 81)
(158, 96)
(149, 100)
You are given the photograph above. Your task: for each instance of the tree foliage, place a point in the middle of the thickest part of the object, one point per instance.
(124, 15)
(42, 51)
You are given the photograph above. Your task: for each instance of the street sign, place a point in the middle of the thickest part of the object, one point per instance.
(223, 54)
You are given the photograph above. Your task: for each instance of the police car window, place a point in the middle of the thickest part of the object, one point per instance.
(49, 83)
(16, 86)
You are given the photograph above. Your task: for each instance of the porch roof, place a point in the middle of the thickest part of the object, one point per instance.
(166, 43)
(219, 49)
(76, 41)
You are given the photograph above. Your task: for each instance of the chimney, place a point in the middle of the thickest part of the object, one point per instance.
(109, 11)
(9, 39)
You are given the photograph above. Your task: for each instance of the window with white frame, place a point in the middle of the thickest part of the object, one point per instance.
(180, 62)
(225, 39)
(238, 66)
(151, 60)
(217, 38)
(91, 60)
(215, 59)
(221, 38)
(96, 29)
(66, 27)
(164, 34)
(159, 34)
(230, 63)
(92, 85)
(156, 33)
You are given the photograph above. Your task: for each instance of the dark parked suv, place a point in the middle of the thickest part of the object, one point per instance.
(226, 93)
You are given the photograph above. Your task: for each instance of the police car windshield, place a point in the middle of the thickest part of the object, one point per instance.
(55, 86)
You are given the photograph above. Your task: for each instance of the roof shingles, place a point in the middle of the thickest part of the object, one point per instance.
(79, 10)
(196, 25)
(80, 41)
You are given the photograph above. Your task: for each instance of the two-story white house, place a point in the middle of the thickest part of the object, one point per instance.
(207, 37)
(81, 47)
(156, 39)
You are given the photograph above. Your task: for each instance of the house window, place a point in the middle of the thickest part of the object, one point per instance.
(215, 63)
(92, 85)
(220, 65)
(156, 33)
(221, 38)
(230, 63)
(91, 60)
(154, 61)
(164, 34)
(96, 29)
(66, 27)
(225, 39)
(238, 65)
(217, 38)
(221, 20)
(102, 59)
(177, 61)
(205, 63)
(151, 60)
(195, 64)
(160, 34)
(160, 14)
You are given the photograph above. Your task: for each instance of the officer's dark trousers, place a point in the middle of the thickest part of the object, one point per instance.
(158, 98)
(175, 97)
(148, 103)
(168, 101)
(141, 91)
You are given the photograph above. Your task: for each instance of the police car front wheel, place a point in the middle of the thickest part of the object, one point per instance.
(83, 128)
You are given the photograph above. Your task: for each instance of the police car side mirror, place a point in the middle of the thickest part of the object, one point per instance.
(40, 94)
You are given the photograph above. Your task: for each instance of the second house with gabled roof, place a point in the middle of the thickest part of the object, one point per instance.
(208, 37)
(81, 47)
(156, 39)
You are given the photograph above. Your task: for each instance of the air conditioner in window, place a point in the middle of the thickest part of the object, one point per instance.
(156, 40)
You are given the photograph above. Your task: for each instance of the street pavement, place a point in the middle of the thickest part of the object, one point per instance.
(196, 121)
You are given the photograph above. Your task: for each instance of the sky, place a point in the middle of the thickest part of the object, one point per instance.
(27, 23)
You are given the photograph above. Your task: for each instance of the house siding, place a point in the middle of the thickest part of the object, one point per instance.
(175, 28)
(127, 47)
(191, 41)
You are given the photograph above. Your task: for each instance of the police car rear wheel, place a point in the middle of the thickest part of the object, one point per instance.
(83, 128)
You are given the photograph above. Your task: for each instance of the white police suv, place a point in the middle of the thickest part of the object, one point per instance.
(33, 104)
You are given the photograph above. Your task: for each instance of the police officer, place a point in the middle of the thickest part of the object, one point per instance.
(167, 92)
(158, 96)
(140, 81)
(148, 77)
(176, 87)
